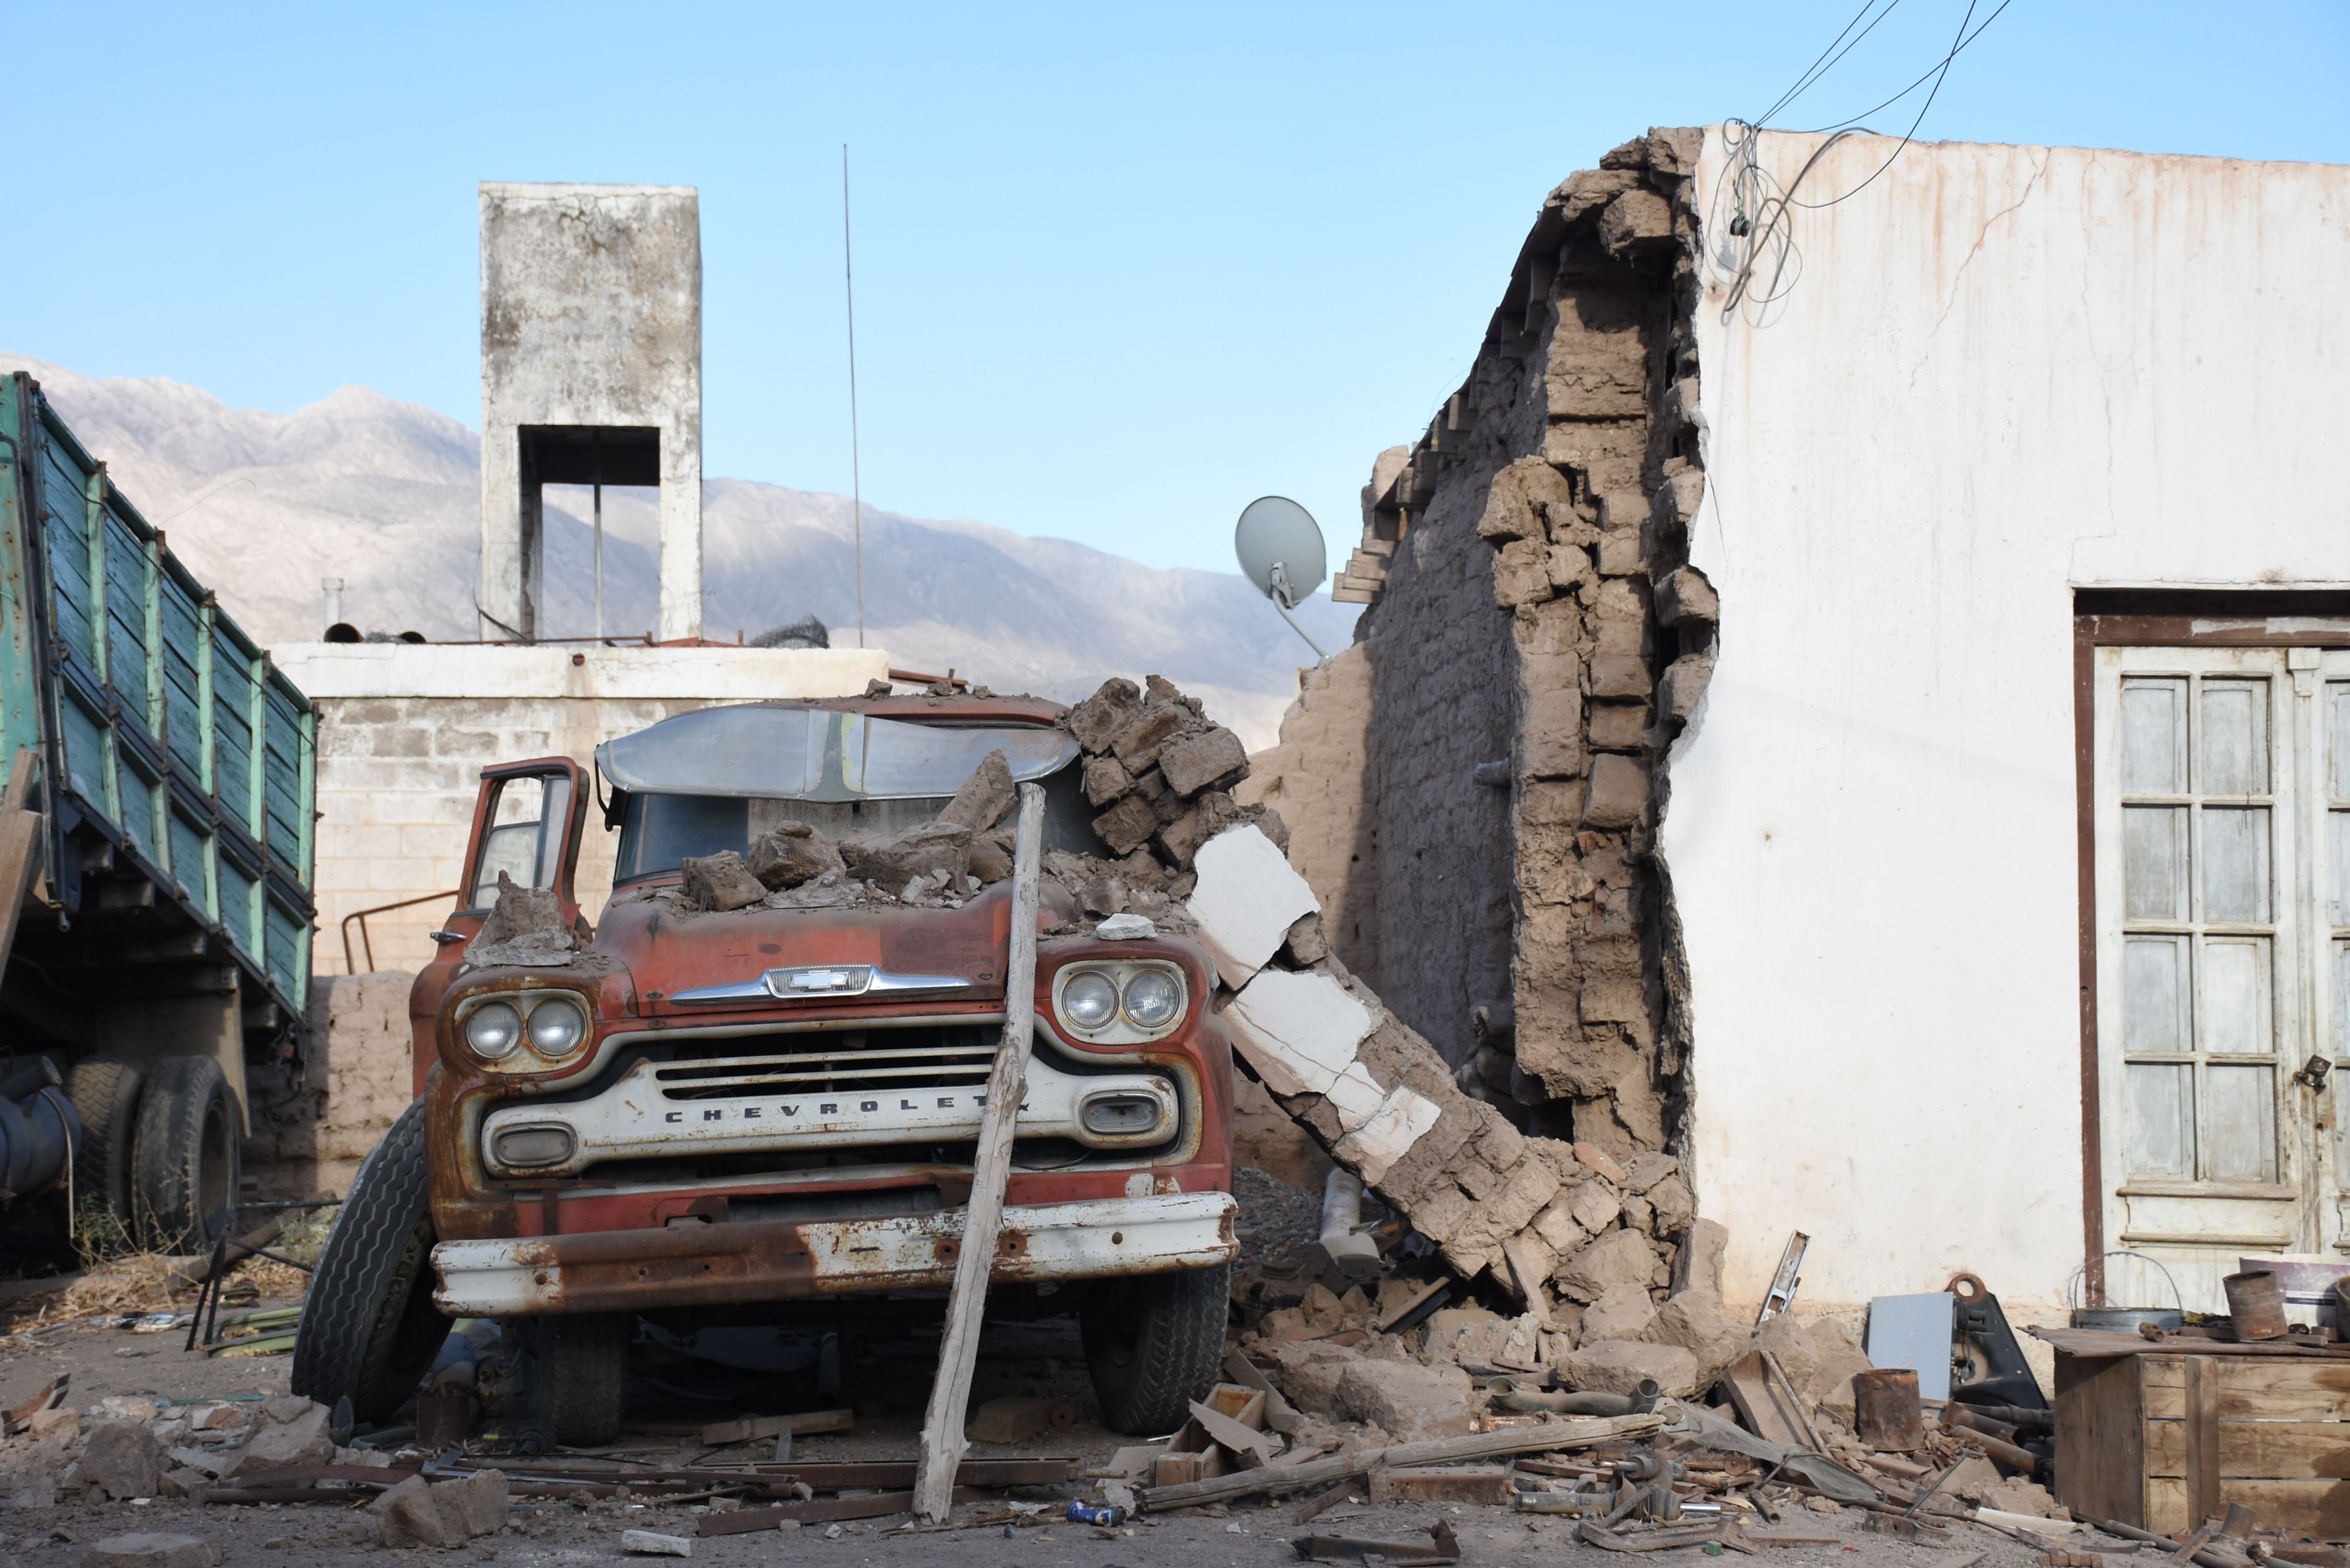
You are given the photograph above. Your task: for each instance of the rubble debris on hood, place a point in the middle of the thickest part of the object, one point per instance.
(525, 928)
(789, 854)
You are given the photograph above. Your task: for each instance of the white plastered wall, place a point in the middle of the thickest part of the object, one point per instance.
(2002, 372)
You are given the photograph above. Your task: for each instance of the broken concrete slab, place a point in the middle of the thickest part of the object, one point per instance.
(1622, 1311)
(271, 1442)
(1309, 1373)
(1299, 1030)
(1246, 899)
(652, 1543)
(1387, 1132)
(1409, 1401)
(151, 1549)
(1618, 1258)
(1617, 1365)
(1695, 1321)
(121, 1459)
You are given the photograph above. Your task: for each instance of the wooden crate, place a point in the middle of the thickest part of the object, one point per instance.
(2166, 1441)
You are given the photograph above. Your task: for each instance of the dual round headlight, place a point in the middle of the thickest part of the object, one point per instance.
(1150, 1001)
(553, 1025)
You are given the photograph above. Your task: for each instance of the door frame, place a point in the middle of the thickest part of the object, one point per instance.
(2154, 618)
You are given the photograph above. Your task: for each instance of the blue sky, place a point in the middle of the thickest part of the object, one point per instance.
(1119, 269)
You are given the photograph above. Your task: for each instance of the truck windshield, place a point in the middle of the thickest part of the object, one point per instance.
(662, 821)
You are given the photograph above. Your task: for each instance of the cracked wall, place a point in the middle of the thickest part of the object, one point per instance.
(1535, 640)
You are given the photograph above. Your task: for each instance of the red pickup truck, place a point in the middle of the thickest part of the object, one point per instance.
(695, 1114)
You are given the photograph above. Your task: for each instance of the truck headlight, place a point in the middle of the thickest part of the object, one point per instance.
(556, 1027)
(493, 1031)
(1153, 1000)
(1089, 1000)
(1128, 1003)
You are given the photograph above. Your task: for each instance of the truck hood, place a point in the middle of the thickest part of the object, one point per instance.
(885, 950)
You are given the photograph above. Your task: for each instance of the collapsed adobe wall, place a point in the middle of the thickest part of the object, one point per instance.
(1535, 642)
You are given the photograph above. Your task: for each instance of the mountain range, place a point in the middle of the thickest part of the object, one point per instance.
(386, 496)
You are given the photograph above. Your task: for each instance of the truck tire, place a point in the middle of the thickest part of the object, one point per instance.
(579, 1374)
(1154, 1344)
(185, 1168)
(105, 1096)
(370, 1329)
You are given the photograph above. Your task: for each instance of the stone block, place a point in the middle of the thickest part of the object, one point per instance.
(1246, 901)
(1695, 1322)
(408, 1515)
(1618, 792)
(1595, 1207)
(1620, 676)
(1550, 727)
(1194, 762)
(151, 1549)
(1679, 496)
(121, 1458)
(1127, 826)
(1620, 1312)
(1138, 741)
(985, 797)
(1675, 1207)
(475, 1504)
(1387, 1134)
(1408, 1401)
(1684, 683)
(1684, 595)
(789, 854)
(1618, 1258)
(1521, 574)
(293, 1433)
(1620, 553)
(1309, 1373)
(1106, 779)
(1617, 1366)
(652, 1543)
(1619, 726)
(1698, 1266)
(1094, 720)
(719, 881)
(1639, 221)
(937, 852)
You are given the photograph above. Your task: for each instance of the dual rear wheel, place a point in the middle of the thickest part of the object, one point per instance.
(160, 1150)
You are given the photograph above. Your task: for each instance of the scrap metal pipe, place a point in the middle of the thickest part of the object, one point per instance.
(39, 1134)
(2008, 1454)
(1342, 1210)
(1564, 1402)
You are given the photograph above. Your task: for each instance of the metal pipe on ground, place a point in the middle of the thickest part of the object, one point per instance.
(1342, 1210)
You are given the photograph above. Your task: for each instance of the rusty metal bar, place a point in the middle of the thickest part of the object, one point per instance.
(366, 946)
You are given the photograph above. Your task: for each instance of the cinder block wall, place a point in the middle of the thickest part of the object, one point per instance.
(404, 733)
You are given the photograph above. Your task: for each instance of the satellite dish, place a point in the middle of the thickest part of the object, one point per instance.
(1281, 552)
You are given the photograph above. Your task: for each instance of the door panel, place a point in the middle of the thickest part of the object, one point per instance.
(2203, 872)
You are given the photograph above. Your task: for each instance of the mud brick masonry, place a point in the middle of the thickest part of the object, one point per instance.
(1484, 768)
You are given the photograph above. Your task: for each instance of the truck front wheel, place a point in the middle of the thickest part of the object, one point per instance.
(579, 1374)
(1153, 1344)
(370, 1329)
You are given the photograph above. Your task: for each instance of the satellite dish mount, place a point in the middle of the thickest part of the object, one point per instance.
(1280, 550)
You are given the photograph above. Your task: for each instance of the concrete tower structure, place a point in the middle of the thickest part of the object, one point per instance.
(591, 374)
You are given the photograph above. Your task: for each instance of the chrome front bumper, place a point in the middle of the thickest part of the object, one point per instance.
(707, 1264)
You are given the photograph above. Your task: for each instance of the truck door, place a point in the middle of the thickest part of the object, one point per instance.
(526, 822)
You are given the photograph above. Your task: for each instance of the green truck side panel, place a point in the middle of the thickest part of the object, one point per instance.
(163, 720)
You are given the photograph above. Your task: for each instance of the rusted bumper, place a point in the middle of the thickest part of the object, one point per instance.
(778, 1259)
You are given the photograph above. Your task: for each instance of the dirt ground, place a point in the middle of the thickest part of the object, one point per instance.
(879, 1376)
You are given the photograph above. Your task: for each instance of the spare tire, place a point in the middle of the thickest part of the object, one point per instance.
(370, 1329)
(185, 1164)
(105, 1096)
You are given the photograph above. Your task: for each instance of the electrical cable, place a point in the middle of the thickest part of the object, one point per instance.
(1824, 65)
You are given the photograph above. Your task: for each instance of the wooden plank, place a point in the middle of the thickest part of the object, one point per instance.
(1550, 1437)
(878, 1505)
(2202, 1441)
(2255, 1450)
(2090, 1342)
(2166, 1504)
(942, 1440)
(2319, 1507)
(1761, 1403)
(2099, 1435)
(2247, 1390)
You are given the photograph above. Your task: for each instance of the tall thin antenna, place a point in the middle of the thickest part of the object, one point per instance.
(856, 476)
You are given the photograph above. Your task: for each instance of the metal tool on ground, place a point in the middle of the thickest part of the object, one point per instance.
(1783, 1284)
(942, 1440)
(1442, 1547)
